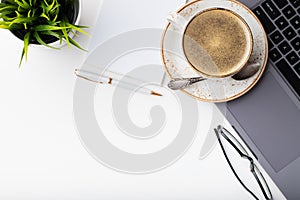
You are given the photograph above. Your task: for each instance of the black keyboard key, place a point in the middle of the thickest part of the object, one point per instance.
(292, 57)
(296, 43)
(276, 37)
(270, 44)
(266, 22)
(297, 69)
(284, 47)
(281, 3)
(281, 23)
(289, 75)
(271, 9)
(289, 12)
(274, 55)
(295, 3)
(296, 21)
(289, 33)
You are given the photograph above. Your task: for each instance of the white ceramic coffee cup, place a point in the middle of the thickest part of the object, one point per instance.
(181, 23)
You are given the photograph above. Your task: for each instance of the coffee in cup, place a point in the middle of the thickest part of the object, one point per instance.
(217, 42)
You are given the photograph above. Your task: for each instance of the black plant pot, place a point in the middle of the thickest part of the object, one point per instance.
(72, 13)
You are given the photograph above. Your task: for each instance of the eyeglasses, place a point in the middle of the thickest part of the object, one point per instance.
(230, 139)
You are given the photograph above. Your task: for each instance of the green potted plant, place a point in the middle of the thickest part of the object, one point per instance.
(42, 22)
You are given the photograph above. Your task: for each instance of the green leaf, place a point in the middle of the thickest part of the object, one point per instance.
(28, 14)
(55, 9)
(79, 29)
(52, 33)
(55, 17)
(50, 7)
(8, 7)
(65, 33)
(21, 10)
(33, 12)
(18, 14)
(6, 18)
(22, 56)
(6, 12)
(25, 48)
(53, 23)
(26, 4)
(26, 44)
(45, 16)
(73, 42)
(45, 1)
(44, 7)
(22, 20)
(23, 4)
(55, 12)
(60, 35)
(4, 26)
(39, 39)
(9, 2)
(47, 28)
(16, 26)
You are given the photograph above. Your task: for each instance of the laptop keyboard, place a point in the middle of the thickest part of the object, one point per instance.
(281, 20)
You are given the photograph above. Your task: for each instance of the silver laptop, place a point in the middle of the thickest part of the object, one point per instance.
(268, 117)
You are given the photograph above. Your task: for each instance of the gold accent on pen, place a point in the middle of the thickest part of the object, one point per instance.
(155, 93)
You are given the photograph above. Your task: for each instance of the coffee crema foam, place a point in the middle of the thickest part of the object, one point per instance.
(217, 42)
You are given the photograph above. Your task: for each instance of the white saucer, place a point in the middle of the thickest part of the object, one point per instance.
(213, 89)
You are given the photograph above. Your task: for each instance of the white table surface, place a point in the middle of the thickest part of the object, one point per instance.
(41, 153)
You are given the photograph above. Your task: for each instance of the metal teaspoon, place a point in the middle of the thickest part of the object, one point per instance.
(181, 83)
